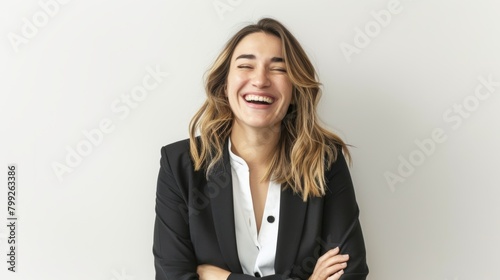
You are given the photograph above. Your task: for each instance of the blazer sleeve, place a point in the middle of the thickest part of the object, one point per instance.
(241, 276)
(341, 225)
(173, 251)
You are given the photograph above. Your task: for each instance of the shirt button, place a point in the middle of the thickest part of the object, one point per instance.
(270, 219)
(257, 274)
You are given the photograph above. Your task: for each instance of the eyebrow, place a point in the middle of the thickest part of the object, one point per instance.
(251, 56)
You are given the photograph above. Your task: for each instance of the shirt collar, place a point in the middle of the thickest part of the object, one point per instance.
(236, 161)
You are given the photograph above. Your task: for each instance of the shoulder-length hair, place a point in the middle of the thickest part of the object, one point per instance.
(305, 149)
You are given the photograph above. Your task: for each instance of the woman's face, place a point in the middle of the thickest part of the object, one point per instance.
(258, 88)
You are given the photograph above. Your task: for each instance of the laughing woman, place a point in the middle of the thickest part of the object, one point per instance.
(264, 190)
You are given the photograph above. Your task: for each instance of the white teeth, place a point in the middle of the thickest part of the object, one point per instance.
(250, 97)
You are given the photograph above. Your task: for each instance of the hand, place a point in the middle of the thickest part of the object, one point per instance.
(211, 272)
(330, 266)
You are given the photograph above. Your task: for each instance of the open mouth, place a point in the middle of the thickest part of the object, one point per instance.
(258, 99)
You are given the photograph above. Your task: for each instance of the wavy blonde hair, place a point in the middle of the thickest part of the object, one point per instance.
(305, 149)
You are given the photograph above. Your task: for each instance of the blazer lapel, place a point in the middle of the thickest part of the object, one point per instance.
(220, 191)
(292, 215)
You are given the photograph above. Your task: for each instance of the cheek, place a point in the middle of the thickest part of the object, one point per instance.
(232, 93)
(234, 80)
(231, 98)
(230, 86)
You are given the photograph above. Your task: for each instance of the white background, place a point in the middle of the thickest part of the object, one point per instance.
(441, 222)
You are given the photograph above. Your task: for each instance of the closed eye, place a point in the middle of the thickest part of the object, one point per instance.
(279, 70)
(244, 66)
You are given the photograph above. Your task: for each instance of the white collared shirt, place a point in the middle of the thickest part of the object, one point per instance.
(256, 252)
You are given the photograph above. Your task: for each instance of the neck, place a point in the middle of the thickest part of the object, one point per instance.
(255, 146)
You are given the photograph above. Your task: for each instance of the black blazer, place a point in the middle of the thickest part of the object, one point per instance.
(195, 223)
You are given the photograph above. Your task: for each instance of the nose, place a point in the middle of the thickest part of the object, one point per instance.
(260, 78)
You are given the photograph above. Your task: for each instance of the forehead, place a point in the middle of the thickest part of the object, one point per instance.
(260, 44)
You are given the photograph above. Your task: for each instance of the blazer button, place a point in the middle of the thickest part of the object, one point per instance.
(257, 274)
(270, 219)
